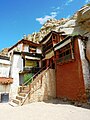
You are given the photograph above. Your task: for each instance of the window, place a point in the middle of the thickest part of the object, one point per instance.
(54, 37)
(66, 53)
(32, 49)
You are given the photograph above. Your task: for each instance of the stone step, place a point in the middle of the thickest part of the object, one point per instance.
(25, 91)
(23, 88)
(20, 98)
(26, 88)
(16, 101)
(22, 94)
(13, 104)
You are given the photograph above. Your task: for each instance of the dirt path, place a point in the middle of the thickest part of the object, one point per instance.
(43, 111)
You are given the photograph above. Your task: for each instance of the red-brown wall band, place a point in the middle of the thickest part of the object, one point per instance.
(69, 78)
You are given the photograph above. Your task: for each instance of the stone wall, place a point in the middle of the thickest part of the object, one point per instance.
(44, 86)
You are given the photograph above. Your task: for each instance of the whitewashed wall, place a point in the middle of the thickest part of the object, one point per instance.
(39, 50)
(17, 66)
(5, 88)
(26, 48)
(85, 64)
(4, 68)
(17, 48)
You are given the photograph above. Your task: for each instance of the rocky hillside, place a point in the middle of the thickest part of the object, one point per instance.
(4, 52)
(50, 25)
(79, 23)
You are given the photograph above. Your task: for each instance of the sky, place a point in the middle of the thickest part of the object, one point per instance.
(19, 17)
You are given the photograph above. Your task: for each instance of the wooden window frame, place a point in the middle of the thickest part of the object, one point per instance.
(66, 53)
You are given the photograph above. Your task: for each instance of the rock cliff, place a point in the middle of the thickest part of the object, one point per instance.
(4, 52)
(79, 23)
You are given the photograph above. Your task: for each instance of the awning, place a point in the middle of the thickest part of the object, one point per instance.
(63, 44)
(49, 55)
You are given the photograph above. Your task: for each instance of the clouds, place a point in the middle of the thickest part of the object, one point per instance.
(51, 15)
(86, 1)
(42, 20)
(54, 13)
(56, 8)
(68, 1)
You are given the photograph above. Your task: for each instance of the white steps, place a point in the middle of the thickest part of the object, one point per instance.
(22, 94)
(25, 91)
(18, 102)
(20, 97)
(13, 104)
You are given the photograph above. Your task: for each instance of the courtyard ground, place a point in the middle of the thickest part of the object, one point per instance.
(43, 111)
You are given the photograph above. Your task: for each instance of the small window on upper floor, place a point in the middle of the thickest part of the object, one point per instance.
(10, 53)
(54, 37)
(32, 50)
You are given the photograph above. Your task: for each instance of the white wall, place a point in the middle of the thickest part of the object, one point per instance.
(18, 48)
(85, 64)
(26, 48)
(39, 50)
(5, 88)
(17, 66)
(4, 68)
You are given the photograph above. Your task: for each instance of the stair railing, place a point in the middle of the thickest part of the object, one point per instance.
(35, 90)
(34, 76)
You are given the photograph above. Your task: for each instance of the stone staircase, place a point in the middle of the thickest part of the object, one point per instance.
(41, 88)
(24, 91)
(21, 96)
